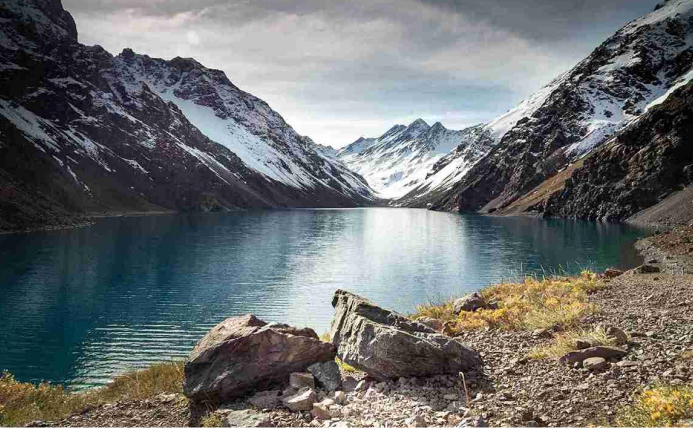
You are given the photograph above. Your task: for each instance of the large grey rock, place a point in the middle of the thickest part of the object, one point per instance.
(327, 374)
(246, 418)
(470, 303)
(596, 351)
(387, 345)
(245, 354)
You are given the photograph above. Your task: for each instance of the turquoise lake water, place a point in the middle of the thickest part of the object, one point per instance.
(80, 306)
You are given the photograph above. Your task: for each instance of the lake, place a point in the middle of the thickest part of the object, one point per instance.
(79, 306)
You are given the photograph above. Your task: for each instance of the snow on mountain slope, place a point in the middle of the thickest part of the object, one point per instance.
(399, 160)
(239, 121)
(581, 109)
(97, 133)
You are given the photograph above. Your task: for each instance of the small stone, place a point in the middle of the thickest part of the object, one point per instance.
(594, 363)
(619, 336)
(265, 399)
(451, 397)
(301, 380)
(363, 385)
(349, 384)
(416, 421)
(470, 303)
(321, 412)
(648, 269)
(303, 400)
(613, 273)
(596, 351)
(340, 397)
(246, 418)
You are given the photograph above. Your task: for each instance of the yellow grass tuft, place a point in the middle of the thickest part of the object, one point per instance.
(212, 420)
(533, 304)
(22, 402)
(661, 406)
(566, 342)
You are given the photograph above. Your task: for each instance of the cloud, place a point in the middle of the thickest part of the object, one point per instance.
(339, 70)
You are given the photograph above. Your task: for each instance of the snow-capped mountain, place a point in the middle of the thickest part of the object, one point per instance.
(94, 133)
(399, 161)
(577, 112)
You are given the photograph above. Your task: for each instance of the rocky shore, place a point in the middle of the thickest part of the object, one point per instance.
(393, 371)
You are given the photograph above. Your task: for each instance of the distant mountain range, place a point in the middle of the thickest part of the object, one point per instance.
(521, 161)
(85, 133)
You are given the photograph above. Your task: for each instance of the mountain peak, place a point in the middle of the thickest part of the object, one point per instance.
(419, 123)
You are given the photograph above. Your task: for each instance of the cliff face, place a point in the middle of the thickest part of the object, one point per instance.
(643, 165)
(87, 132)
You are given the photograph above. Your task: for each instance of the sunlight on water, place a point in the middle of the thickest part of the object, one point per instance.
(82, 305)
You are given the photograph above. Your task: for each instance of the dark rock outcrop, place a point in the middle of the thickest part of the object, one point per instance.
(647, 162)
(387, 345)
(244, 354)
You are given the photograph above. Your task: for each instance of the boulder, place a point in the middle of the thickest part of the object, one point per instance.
(245, 354)
(327, 374)
(303, 400)
(301, 380)
(594, 363)
(596, 351)
(387, 345)
(470, 303)
(246, 418)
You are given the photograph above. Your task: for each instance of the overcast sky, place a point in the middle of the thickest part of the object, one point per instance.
(337, 70)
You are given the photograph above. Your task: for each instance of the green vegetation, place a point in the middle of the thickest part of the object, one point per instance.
(22, 402)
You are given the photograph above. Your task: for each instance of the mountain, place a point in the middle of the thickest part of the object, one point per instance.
(399, 161)
(635, 69)
(85, 132)
(642, 166)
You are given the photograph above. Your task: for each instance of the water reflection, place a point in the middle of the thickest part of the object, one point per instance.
(81, 305)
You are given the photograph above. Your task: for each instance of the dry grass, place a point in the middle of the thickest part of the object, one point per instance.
(554, 302)
(566, 342)
(212, 420)
(23, 402)
(661, 406)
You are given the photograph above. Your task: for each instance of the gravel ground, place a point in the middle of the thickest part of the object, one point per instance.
(511, 390)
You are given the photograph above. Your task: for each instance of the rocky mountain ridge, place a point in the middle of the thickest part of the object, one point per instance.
(88, 133)
(578, 112)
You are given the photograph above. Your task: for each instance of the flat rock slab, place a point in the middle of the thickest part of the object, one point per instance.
(388, 345)
(246, 418)
(244, 354)
(596, 351)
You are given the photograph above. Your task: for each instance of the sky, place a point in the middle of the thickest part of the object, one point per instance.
(338, 70)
